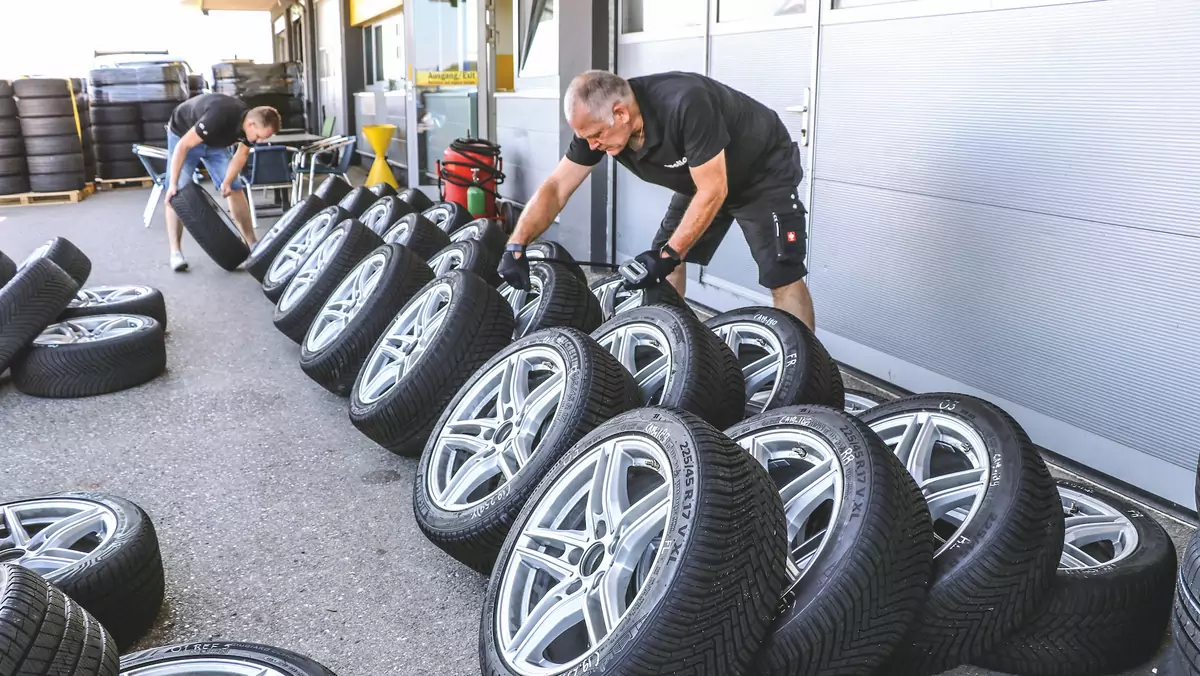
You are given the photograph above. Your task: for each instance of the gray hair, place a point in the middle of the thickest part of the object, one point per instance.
(597, 91)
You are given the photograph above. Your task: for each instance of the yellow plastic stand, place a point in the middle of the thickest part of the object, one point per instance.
(379, 136)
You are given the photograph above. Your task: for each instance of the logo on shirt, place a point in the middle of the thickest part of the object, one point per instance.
(791, 236)
(676, 165)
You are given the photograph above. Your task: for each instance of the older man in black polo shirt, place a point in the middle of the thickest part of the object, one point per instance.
(727, 157)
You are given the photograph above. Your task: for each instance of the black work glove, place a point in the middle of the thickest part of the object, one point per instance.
(514, 267)
(658, 265)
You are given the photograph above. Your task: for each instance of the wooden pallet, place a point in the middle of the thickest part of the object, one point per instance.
(26, 199)
(118, 183)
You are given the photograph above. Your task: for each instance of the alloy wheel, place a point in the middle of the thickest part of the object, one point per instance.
(52, 536)
(760, 355)
(345, 302)
(89, 329)
(644, 350)
(310, 269)
(1097, 534)
(404, 343)
(93, 296)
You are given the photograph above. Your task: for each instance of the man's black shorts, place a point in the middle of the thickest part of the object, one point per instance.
(774, 225)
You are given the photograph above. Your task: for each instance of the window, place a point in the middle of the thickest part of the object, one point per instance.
(654, 15)
(540, 47)
(738, 10)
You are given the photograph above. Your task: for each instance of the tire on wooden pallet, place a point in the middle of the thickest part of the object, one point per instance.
(210, 226)
(417, 233)
(66, 255)
(92, 355)
(997, 516)
(470, 255)
(860, 541)
(46, 632)
(555, 298)
(60, 125)
(12, 147)
(274, 239)
(10, 127)
(69, 163)
(41, 87)
(118, 113)
(463, 321)
(117, 133)
(703, 604)
(67, 144)
(615, 298)
(14, 185)
(570, 385)
(118, 169)
(154, 132)
(13, 166)
(8, 107)
(58, 106)
(64, 182)
(1111, 603)
(118, 573)
(126, 299)
(333, 350)
(156, 111)
(246, 657)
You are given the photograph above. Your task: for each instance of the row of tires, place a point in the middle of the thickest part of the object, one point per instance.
(648, 489)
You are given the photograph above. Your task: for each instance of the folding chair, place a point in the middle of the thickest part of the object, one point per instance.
(306, 163)
(269, 168)
(146, 154)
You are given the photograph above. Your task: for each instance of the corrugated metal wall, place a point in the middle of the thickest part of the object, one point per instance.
(1009, 200)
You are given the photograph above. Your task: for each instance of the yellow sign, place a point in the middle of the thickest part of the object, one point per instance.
(432, 78)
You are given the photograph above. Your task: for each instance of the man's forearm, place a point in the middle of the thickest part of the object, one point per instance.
(177, 164)
(235, 166)
(699, 215)
(537, 215)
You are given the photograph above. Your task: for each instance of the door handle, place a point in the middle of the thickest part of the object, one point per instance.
(803, 110)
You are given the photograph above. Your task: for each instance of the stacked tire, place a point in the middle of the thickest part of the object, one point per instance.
(278, 85)
(115, 128)
(132, 105)
(14, 171)
(50, 125)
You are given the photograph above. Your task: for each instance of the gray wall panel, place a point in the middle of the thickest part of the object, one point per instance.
(527, 131)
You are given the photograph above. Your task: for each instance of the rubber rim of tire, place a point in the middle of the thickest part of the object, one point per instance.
(122, 582)
(48, 126)
(115, 152)
(139, 74)
(8, 107)
(1104, 619)
(417, 233)
(269, 245)
(58, 182)
(472, 256)
(332, 189)
(12, 147)
(58, 106)
(701, 374)
(210, 226)
(803, 372)
(6, 90)
(256, 654)
(48, 632)
(708, 598)
(477, 324)
(861, 401)
(560, 299)
(544, 248)
(67, 144)
(10, 127)
(484, 230)
(153, 132)
(293, 252)
(126, 299)
(1185, 618)
(14, 185)
(115, 169)
(334, 361)
(13, 166)
(594, 388)
(866, 541)
(71, 163)
(319, 273)
(65, 255)
(382, 190)
(90, 367)
(156, 112)
(37, 88)
(117, 133)
(449, 216)
(993, 573)
(118, 114)
(417, 199)
(356, 201)
(615, 299)
(384, 213)
(8, 269)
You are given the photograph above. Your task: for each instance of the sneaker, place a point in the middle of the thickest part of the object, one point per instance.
(178, 262)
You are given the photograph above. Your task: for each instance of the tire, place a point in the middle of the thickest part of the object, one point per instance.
(544, 248)
(13, 166)
(333, 189)
(131, 93)
(8, 107)
(139, 74)
(708, 602)
(67, 144)
(210, 226)
(1185, 619)
(8, 269)
(14, 185)
(50, 107)
(852, 601)
(156, 111)
(12, 147)
(356, 201)
(449, 216)
(120, 169)
(319, 274)
(52, 368)
(477, 324)
(1103, 619)
(594, 388)
(120, 580)
(48, 126)
(116, 152)
(40, 88)
(58, 182)
(118, 114)
(273, 240)
(263, 657)
(154, 132)
(418, 200)
(65, 255)
(384, 213)
(6, 90)
(782, 362)
(417, 233)
(297, 247)
(121, 300)
(486, 231)
(615, 298)
(43, 631)
(470, 255)
(861, 401)
(993, 573)
(556, 298)
(116, 133)
(56, 164)
(382, 190)
(704, 377)
(332, 357)
(10, 127)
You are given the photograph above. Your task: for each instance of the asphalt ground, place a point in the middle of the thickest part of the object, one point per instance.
(279, 522)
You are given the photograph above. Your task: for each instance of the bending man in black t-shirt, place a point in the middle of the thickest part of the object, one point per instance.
(726, 156)
(201, 130)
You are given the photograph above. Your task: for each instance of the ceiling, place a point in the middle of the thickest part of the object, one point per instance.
(217, 5)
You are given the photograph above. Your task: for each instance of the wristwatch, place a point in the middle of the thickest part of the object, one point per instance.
(514, 247)
(671, 253)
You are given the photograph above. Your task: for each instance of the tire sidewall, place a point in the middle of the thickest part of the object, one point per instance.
(794, 349)
(343, 248)
(1153, 544)
(305, 231)
(291, 664)
(678, 342)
